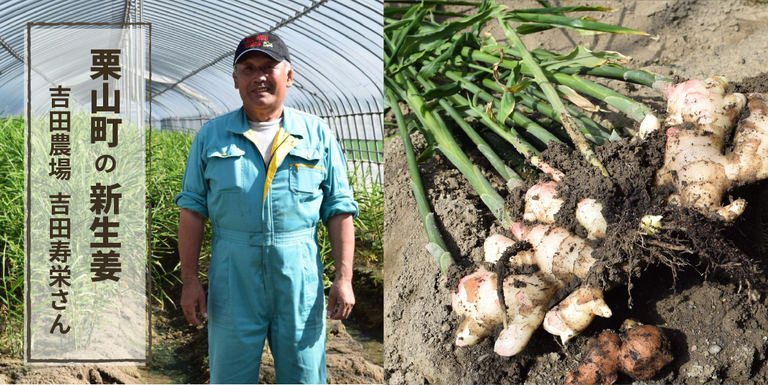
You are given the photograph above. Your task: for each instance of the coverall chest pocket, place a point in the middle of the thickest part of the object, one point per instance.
(306, 171)
(224, 170)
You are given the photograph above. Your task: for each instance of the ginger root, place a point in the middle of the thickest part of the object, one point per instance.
(560, 256)
(525, 297)
(702, 115)
(641, 353)
(478, 302)
(555, 251)
(600, 364)
(701, 118)
(542, 204)
(575, 313)
(750, 143)
(644, 352)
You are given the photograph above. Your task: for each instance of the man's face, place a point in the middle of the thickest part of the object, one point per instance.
(262, 81)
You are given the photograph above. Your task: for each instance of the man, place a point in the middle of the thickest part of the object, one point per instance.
(264, 175)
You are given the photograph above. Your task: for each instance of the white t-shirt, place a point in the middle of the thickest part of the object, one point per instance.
(262, 134)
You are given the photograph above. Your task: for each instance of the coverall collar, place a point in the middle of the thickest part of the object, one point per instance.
(292, 129)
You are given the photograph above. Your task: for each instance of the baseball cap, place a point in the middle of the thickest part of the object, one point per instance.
(266, 42)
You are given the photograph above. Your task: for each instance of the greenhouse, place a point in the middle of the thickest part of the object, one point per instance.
(336, 49)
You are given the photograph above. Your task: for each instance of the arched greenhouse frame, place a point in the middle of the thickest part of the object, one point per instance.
(336, 50)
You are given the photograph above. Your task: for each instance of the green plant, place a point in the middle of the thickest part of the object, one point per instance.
(12, 218)
(11, 241)
(369, 228)
(324, 246)
(369, 224)
(168, 154)
(452, 77)
(165, 171)
(11, 335)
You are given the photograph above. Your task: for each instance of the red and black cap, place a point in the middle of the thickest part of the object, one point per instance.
(266, 42)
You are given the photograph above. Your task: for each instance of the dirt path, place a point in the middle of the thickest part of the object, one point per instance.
(719, 333)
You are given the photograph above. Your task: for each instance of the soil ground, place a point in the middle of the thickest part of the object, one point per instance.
(719, 330)
(179, 351)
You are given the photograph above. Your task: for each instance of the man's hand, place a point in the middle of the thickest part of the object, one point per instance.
(192, 300)
(341, 231)
(190, 238)
(341, 299)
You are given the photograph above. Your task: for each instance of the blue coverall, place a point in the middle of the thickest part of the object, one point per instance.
(265, 274)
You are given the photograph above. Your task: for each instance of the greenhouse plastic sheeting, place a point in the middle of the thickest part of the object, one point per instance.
(336, 49)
